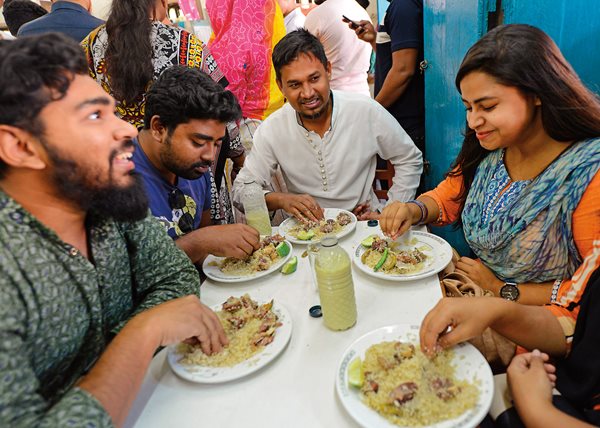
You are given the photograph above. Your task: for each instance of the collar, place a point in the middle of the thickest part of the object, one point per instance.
(68, 5)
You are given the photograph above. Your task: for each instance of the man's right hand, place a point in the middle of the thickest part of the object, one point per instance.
(231, 240)
(182, 319)
(303, 207)
(365, 31)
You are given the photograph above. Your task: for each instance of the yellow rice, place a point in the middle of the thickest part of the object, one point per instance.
(241, 341)
(426, 407)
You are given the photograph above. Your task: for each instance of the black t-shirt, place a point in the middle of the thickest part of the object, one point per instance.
(402, 28)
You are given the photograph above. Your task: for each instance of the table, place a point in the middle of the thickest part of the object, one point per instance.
(297, 389)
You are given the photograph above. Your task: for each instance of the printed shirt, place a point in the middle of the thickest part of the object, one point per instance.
(59, 310)
(172, 46)
(566, 308)
(196, 192)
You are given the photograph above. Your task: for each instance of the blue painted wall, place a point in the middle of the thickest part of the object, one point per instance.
(573, 24)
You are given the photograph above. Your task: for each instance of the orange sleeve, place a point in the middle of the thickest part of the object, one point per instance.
(586, 217)
(445, 195)
(566, 307)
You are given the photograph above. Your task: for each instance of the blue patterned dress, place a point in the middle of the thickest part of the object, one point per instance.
(523, 230)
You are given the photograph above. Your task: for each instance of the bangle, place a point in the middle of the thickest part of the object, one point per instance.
(555, 288)
(423, 208)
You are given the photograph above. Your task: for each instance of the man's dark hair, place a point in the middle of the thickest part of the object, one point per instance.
(293, 45)
(35, 71)
(183, 93)
(19, 12)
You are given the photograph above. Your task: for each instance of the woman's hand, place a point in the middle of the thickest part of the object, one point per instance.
(531, 379)
(396, 218)
(480, 274)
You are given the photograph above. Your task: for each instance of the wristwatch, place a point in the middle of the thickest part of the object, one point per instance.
(509, 291)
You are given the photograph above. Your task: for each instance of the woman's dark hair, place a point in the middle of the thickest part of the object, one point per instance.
(35, 71)
(19, 12)
(129, 48)
(292, 45)
(183, 93)
(526, 58)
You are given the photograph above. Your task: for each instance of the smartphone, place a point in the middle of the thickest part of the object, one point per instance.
(353, 24)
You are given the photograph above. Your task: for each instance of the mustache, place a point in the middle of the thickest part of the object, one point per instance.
(202, 164)
(125, 144)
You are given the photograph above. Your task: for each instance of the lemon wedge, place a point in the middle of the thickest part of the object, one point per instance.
(305, 235)
(290, 267)
(356, 375)
(368, 241)
(283, 249)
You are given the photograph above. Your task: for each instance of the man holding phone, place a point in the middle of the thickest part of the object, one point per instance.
(350, 59)
(399, 84)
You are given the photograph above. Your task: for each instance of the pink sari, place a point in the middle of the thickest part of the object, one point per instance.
(244, 34)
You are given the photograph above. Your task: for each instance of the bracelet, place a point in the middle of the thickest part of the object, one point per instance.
(555, 288)
(423, 208)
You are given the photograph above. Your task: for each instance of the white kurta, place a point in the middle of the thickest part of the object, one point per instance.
(338, 169)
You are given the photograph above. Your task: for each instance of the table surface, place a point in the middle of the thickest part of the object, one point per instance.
(297, 389)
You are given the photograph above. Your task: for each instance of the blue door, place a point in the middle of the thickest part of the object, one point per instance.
(450, 28)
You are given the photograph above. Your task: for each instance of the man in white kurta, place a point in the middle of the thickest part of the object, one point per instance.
(326, 142)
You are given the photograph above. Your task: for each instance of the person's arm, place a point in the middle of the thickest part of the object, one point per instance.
(404, 65)
(116, 377)
(530, 293)
(468, 317)
(531, 380)
(364, 31)
(403, 23)
(227, 240)
(21, 403)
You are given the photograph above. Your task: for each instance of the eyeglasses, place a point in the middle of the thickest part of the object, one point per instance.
(177, 201)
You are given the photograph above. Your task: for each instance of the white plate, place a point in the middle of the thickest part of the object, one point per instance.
(288, 223)
(204, 374)
(438, 251)
(215, 273)
(469, 364)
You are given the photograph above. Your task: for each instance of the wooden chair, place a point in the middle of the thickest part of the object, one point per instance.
(385, 177)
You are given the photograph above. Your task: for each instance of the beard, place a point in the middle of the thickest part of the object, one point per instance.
(324, 109)
(103, 200)
(174, 164)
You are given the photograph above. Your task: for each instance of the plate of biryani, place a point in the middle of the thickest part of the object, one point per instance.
(385, 381)
(336, 221)
(414, 255)
(257, 332)
(274, 251)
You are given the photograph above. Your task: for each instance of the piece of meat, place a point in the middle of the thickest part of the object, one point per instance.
(370, 386)
(404, 351)
(444, 388)
(237, 322)
(232, 304)
(387, 363)
(403, 393)
(343, 219)
(379, 245)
